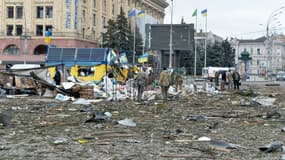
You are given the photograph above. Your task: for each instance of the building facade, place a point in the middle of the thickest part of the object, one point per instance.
(257, 49)
(212, 38)
(28, 27)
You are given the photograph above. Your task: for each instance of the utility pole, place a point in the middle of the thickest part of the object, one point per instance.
(25, 37)
(269, 69)
(170, 38)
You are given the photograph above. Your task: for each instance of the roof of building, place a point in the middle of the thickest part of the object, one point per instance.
(258, 40)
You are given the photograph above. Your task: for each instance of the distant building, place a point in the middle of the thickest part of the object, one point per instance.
(258, 51)
(67, 23)
(211, 38)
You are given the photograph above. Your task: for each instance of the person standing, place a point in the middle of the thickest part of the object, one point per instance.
(224, 79)
(164, 82)
(229, 79)
(236, 79)
(217, 76)
(57, 76)
(178, 81)
(141, 82)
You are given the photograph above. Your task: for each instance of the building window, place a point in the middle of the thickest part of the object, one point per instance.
(93, 34)
(278, 51)
(19, 30)
(19, 12)
(40, 12)
(10, 12)
(10, 29)
(83, 33)
(257, 62)
(39, 30)
(258, 51)
(12, 49)
(103, 22)
(104, 5)
(94, 20)
(113, 9)
(94, 3)
(41, 49)
(49, 10)
(49, 29)
(83, 16)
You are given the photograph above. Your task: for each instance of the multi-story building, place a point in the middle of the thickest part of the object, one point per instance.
(258, 52)
(27, 27)
(211, 38)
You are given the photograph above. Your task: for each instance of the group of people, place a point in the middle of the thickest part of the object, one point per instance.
(229, 78)
(166, 79)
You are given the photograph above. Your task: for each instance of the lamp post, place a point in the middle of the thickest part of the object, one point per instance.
(170, 38)
(25, 37)
(269, 41)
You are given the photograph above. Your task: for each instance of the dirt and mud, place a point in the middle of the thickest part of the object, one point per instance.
(44, 128)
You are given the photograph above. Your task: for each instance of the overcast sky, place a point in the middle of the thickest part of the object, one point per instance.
(243, 19)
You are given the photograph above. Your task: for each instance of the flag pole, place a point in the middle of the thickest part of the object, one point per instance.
(144, 35)
(195, 54)
(206, 35)
(134, 47)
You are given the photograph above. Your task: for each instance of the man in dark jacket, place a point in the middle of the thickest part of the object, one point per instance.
(236, 79)
(57, 76)
(224, 79)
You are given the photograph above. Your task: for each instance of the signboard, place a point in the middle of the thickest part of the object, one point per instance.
(158, 36)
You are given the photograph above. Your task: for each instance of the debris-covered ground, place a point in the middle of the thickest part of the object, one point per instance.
(238, 123)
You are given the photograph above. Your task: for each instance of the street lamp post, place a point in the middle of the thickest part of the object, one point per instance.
(25, 37)
(170, 38)
(269, 41)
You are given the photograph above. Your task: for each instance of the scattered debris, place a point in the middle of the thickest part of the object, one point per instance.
(127, 122)
(59, 140)
(6, 116)
(272, 147)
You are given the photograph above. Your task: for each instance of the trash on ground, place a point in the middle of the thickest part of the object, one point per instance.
(59, 140)
(222, 144)
(265, 101)
(98, 116)
(272, 147)
(127, 122)
(82, 101)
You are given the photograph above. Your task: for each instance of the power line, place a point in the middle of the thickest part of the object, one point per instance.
(256, 32)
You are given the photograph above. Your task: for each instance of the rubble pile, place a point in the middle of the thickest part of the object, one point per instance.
(84, 120)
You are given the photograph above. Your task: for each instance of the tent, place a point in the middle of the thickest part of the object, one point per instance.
(86, 64)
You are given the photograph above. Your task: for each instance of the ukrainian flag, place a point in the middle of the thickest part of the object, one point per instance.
(204, 12)
(143, 58)
(141, 13)
(132, 13)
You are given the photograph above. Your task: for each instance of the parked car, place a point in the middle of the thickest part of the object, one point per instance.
(280, 76)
